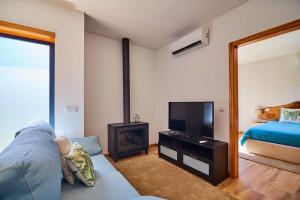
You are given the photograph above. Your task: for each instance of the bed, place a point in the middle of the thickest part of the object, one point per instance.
(279, 140)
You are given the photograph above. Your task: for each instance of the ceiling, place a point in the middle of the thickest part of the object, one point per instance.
(281, 45)
(150, 23)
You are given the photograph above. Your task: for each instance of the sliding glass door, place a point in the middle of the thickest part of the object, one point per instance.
(26, 84)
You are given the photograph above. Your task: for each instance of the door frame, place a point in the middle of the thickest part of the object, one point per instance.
(233, 86)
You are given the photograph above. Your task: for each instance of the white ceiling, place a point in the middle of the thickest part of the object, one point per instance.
(150, 23)
(281, 45)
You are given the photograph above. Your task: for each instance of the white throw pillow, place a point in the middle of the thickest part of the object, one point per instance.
(64, 147)
(290, 115)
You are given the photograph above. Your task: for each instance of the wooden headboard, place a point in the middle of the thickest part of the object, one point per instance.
(273, 113)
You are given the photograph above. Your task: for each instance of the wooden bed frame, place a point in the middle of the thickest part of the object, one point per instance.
(268, 149)
(272, 150)
(273, 113)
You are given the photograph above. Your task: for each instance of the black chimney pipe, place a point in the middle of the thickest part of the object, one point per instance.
(126, 80)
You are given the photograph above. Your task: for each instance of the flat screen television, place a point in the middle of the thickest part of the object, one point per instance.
(193, 118)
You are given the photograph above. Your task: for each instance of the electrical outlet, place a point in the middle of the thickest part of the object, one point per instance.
(221, 108)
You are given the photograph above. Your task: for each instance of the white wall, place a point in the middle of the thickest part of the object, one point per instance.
(203, 74)
(199, 75)
(270, 82)
(68, 25)
(104, 89)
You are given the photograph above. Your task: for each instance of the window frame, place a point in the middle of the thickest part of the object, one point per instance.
(51, 71)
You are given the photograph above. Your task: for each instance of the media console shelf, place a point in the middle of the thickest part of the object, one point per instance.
(208, 160)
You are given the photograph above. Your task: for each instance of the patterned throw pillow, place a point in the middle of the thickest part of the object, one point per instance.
(64, 147)
(290, 115)
(80, 163)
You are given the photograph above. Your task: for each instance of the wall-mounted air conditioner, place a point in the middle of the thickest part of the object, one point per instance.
(195, 39)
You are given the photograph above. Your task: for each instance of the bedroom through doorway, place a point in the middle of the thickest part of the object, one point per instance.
(269, 101)
(265, 176)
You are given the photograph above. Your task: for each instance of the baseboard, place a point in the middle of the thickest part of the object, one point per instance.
(153, 145)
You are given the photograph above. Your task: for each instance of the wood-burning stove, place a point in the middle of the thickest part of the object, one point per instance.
(127, 138)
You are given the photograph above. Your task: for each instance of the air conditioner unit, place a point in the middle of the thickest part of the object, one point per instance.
(195, 39)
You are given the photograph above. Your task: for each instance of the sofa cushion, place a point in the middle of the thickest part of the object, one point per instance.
(102, 166)
(68, 174)
(40, 124)
(91, 144)
(64, 146)
(112, 186)
(30, 166)
(81, 164)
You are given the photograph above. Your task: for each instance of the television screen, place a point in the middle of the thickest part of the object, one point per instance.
(195, 118)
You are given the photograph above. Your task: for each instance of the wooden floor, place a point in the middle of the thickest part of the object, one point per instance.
(258, 182)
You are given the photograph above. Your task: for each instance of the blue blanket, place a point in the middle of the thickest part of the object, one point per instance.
(276, 132)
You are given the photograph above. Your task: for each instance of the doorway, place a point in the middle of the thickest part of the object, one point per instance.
(233, 87)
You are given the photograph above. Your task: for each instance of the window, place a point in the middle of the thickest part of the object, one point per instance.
(26, 82)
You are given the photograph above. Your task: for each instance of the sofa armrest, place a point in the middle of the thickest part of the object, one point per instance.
(91, 144)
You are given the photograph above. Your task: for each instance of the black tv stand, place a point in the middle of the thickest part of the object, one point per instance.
(208, 160)
(179, 133)
(175, 133)
(208, 138)
(172, 132)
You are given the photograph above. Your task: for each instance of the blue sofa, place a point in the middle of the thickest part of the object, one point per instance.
(30, 169)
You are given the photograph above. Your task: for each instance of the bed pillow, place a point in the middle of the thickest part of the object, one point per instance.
(81, 164)
(290, 115)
